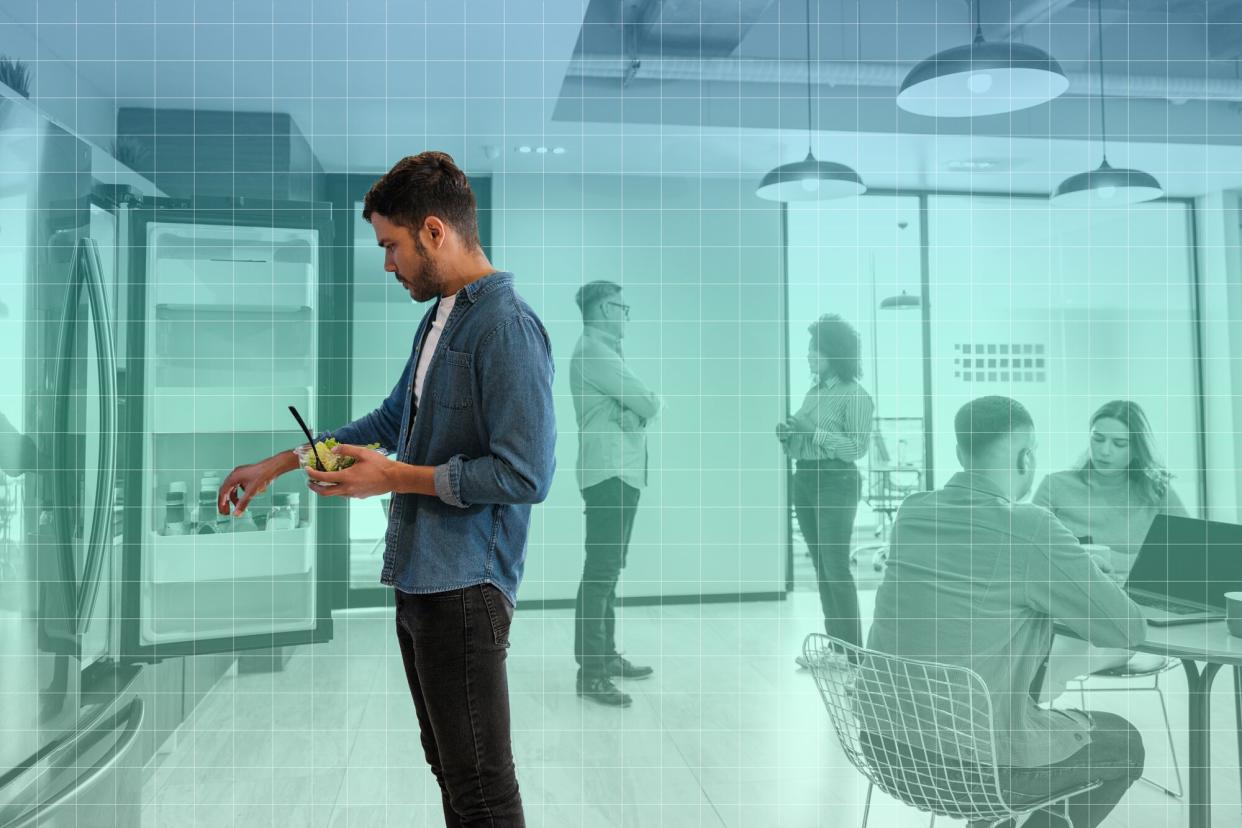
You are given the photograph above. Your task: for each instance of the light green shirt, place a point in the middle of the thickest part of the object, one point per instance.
(610, 444)
(975, 580)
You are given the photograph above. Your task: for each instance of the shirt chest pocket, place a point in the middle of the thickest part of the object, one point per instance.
(453, 385)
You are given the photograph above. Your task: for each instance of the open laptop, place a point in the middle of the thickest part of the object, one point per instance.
(1184, 569)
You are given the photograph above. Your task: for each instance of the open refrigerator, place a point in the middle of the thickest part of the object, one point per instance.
(224, 304)
(147, 345)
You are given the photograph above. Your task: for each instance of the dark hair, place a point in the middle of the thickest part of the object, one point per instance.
(837, 341)
(1145, 470)
(982, 422)
(590, 295)
(427, 184)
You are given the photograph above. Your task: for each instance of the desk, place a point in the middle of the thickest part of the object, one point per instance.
(1211, 644)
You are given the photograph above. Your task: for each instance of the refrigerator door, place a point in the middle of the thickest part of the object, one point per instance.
(91, 777)
(52, 452)
(230, 340)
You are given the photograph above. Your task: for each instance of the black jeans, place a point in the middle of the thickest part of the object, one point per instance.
(453, 645)
(610, 508)
(826, 494)
(1115, 757)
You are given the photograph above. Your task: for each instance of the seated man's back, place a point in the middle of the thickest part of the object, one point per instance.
(976, 580)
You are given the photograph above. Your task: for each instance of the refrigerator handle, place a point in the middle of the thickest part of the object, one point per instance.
(105, 488)
(133, 716)
(59, 513)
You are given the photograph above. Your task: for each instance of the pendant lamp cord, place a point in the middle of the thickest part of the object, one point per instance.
(809, 124)
(978, 25)
(1099, 50)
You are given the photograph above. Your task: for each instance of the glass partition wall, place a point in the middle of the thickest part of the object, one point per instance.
(960, 296)
(1066, 310)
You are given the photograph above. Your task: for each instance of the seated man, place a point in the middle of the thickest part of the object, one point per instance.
(975, 579)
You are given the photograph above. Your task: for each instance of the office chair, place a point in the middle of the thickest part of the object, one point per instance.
(888, 484)
(945, 760)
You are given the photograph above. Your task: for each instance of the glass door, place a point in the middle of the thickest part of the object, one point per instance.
(230, 341)
(861, 259)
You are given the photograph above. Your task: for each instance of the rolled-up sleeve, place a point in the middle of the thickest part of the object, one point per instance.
(515, 371)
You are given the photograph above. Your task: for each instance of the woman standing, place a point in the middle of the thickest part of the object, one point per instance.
(829, 433)
(1111, 499)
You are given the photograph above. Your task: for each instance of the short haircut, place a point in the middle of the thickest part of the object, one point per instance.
(427, 184)
(590, 295)
(981, 423)
(837, 341)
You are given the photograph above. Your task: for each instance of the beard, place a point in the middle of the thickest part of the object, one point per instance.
(424, 282)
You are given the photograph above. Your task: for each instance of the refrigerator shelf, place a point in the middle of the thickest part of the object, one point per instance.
(280, 554)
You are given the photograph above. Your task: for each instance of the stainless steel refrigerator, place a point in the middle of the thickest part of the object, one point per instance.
(146, 346)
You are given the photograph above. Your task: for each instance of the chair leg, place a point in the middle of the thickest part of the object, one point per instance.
(867, 804)
(1168, 730)
(1237, 714)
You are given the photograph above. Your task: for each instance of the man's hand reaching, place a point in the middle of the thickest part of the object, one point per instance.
(246, 481)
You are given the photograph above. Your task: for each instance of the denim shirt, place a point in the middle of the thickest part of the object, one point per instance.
(486, 423)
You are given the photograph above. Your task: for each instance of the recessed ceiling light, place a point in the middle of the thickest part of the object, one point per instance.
(973, 165)
(558, 150)
(523, 149)
(541, 150)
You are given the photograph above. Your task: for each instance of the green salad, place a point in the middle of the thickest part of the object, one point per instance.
(334, 462)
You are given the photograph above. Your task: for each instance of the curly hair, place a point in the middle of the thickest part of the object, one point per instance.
(838, 342)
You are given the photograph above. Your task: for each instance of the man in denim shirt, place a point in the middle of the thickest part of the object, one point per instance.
(471, 427)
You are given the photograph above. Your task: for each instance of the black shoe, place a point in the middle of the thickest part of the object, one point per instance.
(622, 668)
(601, 690)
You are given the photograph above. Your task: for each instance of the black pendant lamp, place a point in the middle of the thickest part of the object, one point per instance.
(981, 78)
(810, 179)
(1106, 185)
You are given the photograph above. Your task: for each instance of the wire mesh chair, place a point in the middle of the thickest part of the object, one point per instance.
(919, 731)
(1127, 673)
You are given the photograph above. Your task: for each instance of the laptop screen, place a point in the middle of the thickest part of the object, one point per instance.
(1189, 560)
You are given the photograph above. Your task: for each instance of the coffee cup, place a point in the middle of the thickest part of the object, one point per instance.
(1233, 612)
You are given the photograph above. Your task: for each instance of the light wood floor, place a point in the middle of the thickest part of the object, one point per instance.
(727, 733)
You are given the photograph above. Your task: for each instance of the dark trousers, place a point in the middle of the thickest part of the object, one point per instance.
(1114, 757)
(453, 645)
(610, 508)
(826, 494)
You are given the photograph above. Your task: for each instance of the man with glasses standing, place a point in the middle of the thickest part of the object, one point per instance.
(613, 408)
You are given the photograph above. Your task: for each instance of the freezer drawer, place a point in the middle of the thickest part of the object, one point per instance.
(92, 778)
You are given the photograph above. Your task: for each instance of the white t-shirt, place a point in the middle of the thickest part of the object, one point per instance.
(433, 339)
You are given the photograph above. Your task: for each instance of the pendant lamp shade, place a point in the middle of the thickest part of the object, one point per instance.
(902, 302)
(810, 180)
(982, 78)
(1106, 185)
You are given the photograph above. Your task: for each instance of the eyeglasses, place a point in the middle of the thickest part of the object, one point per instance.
(625, 309)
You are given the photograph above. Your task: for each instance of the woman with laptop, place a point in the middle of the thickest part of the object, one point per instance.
(1110, 500)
